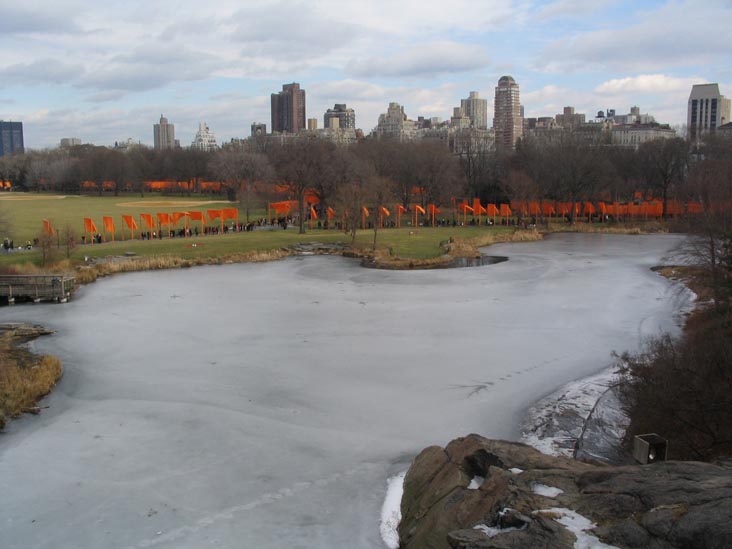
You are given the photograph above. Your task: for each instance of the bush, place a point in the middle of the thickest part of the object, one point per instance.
(682, 389)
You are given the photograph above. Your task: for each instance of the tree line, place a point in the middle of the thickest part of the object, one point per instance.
(568, 166)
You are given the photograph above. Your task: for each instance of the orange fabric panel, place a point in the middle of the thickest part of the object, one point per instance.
(534, 207)
(230, 213)
(129, 221)
(519, 206)
(419, 209)
(197, 216)
(163, 219)
(547, 208)
(89, 226)
(47, 228)
(505, 210)
(385, 211)
(365, 211)
(464, 207)
(492, 210)
(476, 205)
(401, 209)
(588, 209)
(148, 219)
(331, 213)
(694, 207)
(284, 207)
(434, 210)
(313, 213)
(213, 214)
(108, 223)
(176, 216)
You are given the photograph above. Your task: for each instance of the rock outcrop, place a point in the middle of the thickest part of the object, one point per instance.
(481, 493)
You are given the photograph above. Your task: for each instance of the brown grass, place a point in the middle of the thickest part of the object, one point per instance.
(609, 228)
(458, 248)
(87, 274)
(24, 378)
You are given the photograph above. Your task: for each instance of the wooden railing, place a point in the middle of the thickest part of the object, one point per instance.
(37, 287)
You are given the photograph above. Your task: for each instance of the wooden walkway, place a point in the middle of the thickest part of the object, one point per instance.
(36, 288)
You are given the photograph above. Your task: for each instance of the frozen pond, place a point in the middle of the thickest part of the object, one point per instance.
(265, 405)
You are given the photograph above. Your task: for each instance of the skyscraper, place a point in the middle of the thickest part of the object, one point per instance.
(346, 117)
(476, 109)
(205, 139)
(11, 137)
(164, 134)
(707, 110)
(507, 121)
(288, 109)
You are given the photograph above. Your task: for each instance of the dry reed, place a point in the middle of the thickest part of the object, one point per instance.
(24, 379)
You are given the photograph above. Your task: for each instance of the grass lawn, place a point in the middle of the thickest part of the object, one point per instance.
(26, 211)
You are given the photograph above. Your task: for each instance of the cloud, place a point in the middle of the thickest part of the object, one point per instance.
(648, 83)
(676, 35)
(570, 8)
(272, 30)
(149, 67)
(47, 19)
(51, 71)
(423, 60)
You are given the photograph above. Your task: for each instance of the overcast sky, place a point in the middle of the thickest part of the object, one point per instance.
(105, 72)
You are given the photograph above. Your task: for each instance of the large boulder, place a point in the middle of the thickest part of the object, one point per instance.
(481, 493)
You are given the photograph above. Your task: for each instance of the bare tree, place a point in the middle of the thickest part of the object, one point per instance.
(576, 166)
(664, 163)
(239, 169)
(299, 164)
(710, 183)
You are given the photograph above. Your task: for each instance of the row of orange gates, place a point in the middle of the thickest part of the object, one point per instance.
(547, 208)
(154, 223)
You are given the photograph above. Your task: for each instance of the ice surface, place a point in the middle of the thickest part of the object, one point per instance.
(265, 405)
(546, 491)
(578, 525)
(391, 512)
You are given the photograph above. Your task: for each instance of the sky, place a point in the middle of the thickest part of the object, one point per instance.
(105, 72)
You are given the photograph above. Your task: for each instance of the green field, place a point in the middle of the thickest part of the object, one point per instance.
(26, 211)
(26, 215)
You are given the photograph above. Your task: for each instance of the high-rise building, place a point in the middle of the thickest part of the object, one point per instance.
(394, 124)
(288, 109)
(11, 137)
(459, 119)
(259, 129)
(707, 110)
(476, 109)
(312, 124)
(205, 139)
(346, 117)
(164, 134)
(68, 142)
(569, 119)
(507, 121)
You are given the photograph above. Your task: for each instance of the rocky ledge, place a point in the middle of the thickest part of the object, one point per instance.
(481, 493)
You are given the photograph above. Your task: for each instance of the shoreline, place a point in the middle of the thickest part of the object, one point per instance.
(25, 377)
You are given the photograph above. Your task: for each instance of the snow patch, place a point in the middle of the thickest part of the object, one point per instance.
(546, 491)
(578, 525)
(391, 511)
(491, 531)
(476, 483)
(554, 424)
(516, 470)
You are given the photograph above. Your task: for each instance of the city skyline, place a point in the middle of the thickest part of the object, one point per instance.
(105, 74)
